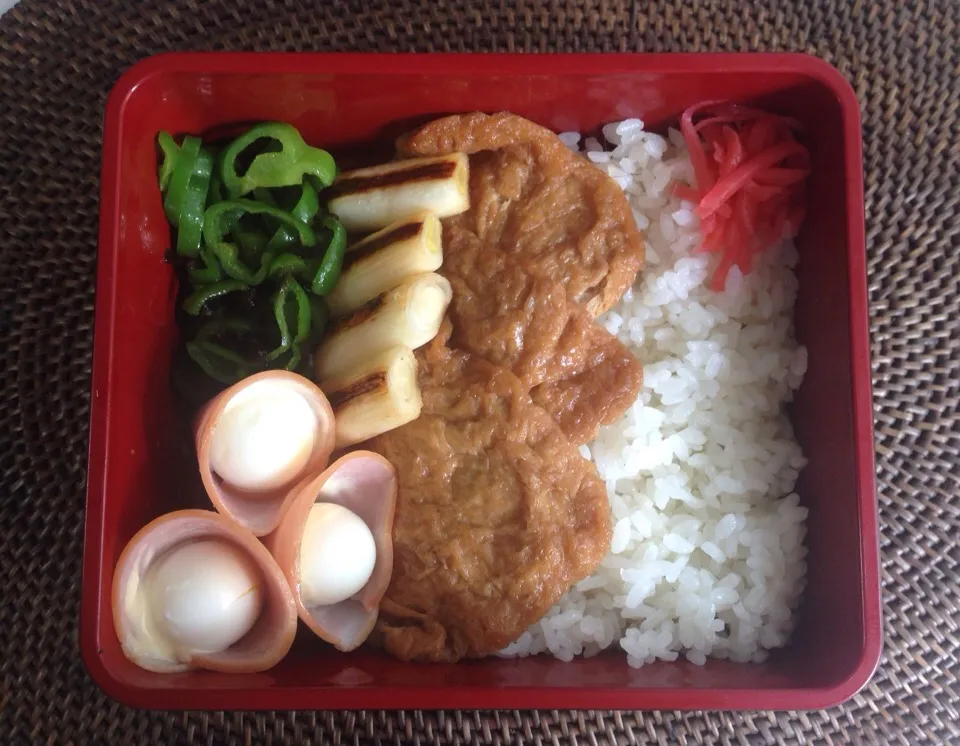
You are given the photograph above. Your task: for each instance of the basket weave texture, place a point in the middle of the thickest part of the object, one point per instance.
(58, 59)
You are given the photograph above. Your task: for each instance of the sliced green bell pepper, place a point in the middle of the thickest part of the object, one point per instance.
(170, 151)
(217, 361)
(187, 187)
(218, 222)
(286, 167)
(320, 273)
(291, 301)
(305, 208)
(210, 271)
(194, 303)
(328, 273)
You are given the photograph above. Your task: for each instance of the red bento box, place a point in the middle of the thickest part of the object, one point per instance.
(140, 458)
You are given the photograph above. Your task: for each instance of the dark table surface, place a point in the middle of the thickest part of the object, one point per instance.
(59, 58)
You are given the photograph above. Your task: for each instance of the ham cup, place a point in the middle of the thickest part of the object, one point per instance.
(257, 441)
(193, 590)
(335, 546)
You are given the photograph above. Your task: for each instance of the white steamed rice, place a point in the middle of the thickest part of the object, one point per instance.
(707, 556)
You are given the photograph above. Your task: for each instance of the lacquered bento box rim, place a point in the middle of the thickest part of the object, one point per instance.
(474, 65)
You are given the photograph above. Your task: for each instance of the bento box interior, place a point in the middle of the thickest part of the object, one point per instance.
(149, 448)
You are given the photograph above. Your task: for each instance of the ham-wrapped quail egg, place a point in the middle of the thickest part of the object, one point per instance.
(335, 546)
(258, 440)
(200, 597)
(337, 555)
(194, 590)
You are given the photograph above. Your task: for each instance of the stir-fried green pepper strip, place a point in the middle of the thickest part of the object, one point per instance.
(190, 229)
(194, 303)
(179, 178)
(286, 167)
(306, 208)
(329, 271)
(262, 194)
(290, 290)
(171, 152)
(216, 188)
(320, 274)
(252, 241)
(292, 264)
(209, 272)
(217, 224)
(210, 357)
(219, 362)
(215, 328)
(308, 204)
(188, 184)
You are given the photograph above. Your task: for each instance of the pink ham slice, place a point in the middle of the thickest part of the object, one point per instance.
(365, 483)
(261, 512)
(260, 649)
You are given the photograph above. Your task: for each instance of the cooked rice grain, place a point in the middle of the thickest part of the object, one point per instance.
(707, 556)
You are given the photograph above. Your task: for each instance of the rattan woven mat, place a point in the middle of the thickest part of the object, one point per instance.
(57, 61)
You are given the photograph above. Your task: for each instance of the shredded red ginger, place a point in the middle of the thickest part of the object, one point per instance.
(750, 174)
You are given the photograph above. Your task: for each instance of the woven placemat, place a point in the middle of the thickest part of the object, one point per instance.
(57, 61)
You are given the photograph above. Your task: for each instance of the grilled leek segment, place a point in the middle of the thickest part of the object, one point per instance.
(368, 199)
(383, 260)
(409, 315)
(378, 396)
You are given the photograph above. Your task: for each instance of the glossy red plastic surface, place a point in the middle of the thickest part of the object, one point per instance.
(140, 459)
